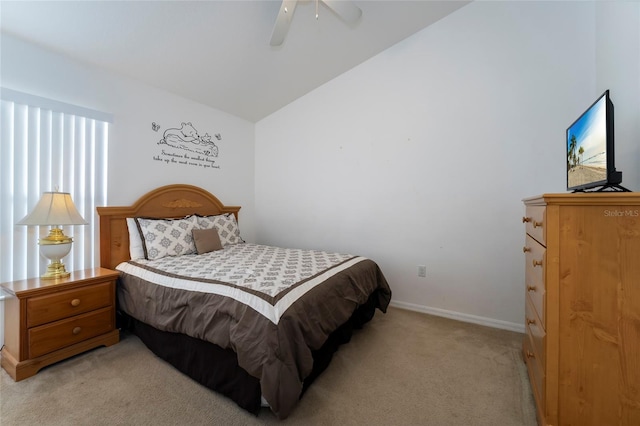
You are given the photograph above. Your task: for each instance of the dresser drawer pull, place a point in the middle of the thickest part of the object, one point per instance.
(537, 224)
(526, 219)
(530, 354)
(75, 302)
(531, 288)
(77, 330)
(530, 321)
(537, 263)
(526, 249)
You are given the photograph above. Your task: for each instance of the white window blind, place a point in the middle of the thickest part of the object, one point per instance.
(47, 145)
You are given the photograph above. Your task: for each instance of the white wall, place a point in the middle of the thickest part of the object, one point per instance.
(618, 69)
(421, 155)
(133, 143)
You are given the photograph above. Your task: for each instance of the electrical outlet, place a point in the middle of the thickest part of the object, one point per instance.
(422, 271)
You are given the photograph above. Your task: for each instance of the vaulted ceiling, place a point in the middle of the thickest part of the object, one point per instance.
(218, 52)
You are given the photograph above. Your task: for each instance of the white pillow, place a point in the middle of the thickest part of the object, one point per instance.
(226, 225)
(136, 249)
(167, 237)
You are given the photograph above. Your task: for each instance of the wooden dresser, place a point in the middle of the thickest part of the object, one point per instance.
(582, 277)
(47, 321)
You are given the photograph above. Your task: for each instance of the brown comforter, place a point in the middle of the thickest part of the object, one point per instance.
(276, 352)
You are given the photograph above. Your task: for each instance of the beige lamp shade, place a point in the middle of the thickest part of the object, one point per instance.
(55, 209)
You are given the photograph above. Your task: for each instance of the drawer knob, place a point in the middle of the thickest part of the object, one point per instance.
(77, 330)
(530, 354)
(537, 263)
(537, 224)
(530, 321)
(526, 249)
(526, 219)
(75, 302)
(531, 288)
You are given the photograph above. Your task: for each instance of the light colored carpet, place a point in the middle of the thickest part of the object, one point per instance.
(403, 368)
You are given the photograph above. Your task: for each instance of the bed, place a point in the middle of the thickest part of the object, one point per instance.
(255, 323)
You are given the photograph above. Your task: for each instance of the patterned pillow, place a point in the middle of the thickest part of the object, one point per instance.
(167, 237)
(226, 225)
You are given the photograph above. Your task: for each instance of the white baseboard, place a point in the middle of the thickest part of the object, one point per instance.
(489, 322)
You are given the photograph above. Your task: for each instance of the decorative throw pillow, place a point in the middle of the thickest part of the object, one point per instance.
(167, 237)
(226, 225)
(136, 249)
(206, 240)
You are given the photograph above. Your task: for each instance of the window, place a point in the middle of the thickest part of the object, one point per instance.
(47, 145)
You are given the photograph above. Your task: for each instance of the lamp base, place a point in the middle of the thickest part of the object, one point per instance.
(54, 247)
(55, 270)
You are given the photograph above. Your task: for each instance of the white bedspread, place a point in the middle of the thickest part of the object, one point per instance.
(269, 279)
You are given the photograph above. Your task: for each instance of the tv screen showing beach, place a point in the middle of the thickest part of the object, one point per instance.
(587, 147)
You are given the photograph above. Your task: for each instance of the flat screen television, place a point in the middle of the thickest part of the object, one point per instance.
(590, 150)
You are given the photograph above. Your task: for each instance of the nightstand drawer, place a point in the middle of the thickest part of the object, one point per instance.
(52, 307)
(50, 337)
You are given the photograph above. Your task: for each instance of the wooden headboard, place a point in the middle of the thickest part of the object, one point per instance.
(171, 201)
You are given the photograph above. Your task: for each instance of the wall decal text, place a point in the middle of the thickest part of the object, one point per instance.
(185, 146)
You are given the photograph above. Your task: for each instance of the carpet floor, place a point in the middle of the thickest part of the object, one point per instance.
(403, 368)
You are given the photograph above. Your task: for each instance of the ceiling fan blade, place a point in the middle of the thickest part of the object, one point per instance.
(283, 21)
(346, 10)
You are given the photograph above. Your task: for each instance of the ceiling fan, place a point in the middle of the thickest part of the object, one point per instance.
(345, 9)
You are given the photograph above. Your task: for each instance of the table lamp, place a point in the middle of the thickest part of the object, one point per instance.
(54, 209)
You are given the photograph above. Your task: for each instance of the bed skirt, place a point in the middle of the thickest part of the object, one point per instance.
(217, 368)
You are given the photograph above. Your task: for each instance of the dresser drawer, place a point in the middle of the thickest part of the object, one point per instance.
(52, 307)
(535, 223)
(50, 337)
(536, 372)
(536, 332)
(535, 263)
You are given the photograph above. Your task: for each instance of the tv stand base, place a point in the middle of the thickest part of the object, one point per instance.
(612, 187)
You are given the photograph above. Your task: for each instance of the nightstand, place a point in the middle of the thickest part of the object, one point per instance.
(47, 321)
